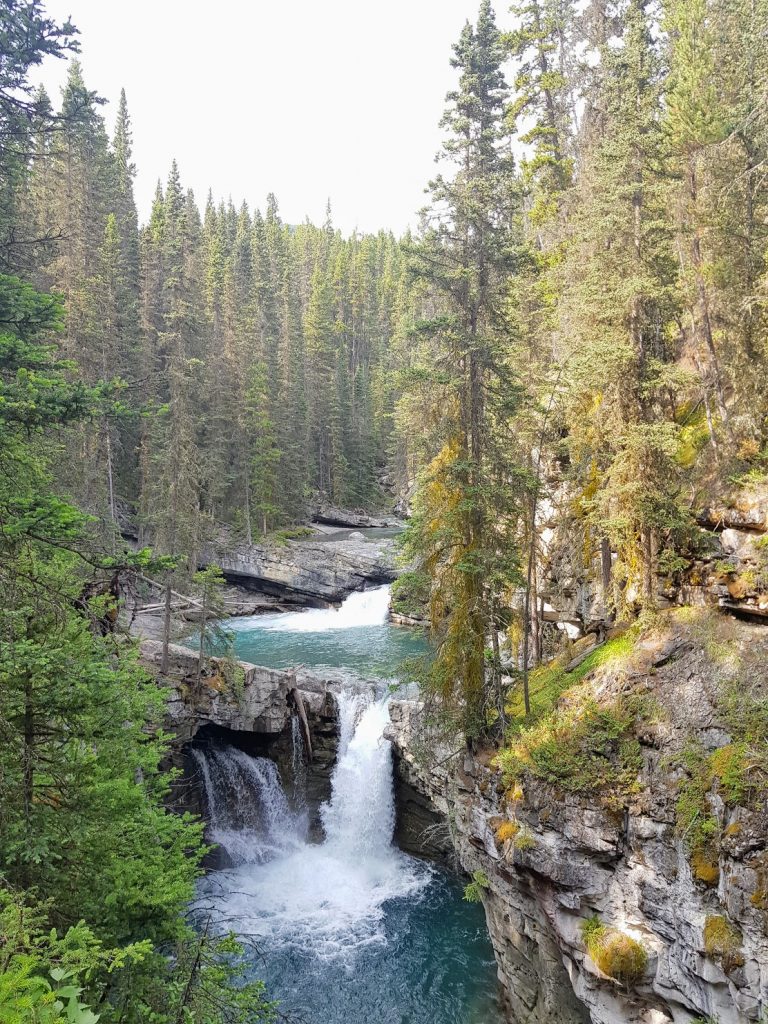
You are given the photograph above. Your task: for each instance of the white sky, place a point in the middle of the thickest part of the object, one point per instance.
(308, 99)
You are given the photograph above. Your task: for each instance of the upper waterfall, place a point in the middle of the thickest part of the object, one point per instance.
(363, 608)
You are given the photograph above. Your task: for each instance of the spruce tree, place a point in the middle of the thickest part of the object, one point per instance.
(464, 530)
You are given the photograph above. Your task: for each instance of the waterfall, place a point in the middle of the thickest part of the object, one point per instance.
(249, 815)
(363, 608)
(298, 762)
(326, 900)
(360, 817)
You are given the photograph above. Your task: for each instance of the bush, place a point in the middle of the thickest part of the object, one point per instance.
(524, 840)
(410, 595)
(281, 537)
(722, 942)
(506, 831)
(473, 892)
(615, 953)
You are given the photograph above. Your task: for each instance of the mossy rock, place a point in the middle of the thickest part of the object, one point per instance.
(616, 954)
(722, 942)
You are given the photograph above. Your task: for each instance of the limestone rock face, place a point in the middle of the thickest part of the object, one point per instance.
(259, 704)
(728, 572)
(627, 864)
(262, 703)
(306, 572)
(330, 515)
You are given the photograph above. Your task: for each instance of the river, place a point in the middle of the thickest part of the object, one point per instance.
(350, 930)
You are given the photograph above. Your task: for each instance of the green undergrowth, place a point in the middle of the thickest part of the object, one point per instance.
(571, 741)
(737, 772)
(473, 891)
(579, 746)
(281, 537)
(410, 595)
(547, 683)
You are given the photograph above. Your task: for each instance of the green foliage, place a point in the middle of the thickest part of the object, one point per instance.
(738, 772)
(579, 746)
(51, 977)
(548, 682)
(410, 595)
(616, 954)
(281, 537)
(524, 841)
(473, 891)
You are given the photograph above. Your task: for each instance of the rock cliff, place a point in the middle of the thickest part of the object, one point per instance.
(306, 571)
(672, 853)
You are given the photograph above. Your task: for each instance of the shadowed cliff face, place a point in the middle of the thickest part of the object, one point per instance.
(675, 858)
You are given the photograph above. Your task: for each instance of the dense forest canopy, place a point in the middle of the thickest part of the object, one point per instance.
(583, 311)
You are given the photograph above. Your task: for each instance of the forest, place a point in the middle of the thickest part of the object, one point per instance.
(583, 310)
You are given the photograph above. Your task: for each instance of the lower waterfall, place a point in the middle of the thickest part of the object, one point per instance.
(351, 929)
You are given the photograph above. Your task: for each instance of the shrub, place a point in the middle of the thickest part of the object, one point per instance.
(524, 840)
(281, 537)
(507, 830)
(722, 942)
(615, 953)
(473, 891)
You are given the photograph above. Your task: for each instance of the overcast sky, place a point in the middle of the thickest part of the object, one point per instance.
(309, 99)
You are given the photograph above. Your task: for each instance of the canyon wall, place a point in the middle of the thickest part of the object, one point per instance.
(620, 857)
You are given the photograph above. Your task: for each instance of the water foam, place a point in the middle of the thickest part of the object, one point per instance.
(327, 900)
(247, 809)
(361, 609)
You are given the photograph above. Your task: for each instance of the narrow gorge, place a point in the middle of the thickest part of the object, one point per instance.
(294, 776)
(346, 825)
(384, 570)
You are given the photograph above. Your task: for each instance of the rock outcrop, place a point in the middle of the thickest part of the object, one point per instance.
(623, 859)
(306, 572)
(729, 569)
(330, 515)
(251, 707)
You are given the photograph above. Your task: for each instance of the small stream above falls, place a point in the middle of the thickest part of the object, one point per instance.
(350, 930)
(356, 636)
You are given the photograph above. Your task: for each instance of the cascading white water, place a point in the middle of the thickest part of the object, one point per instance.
(248, 812)
(324, 899)
(360, 817)
(363, 608)
(350, 929)
(298, 763)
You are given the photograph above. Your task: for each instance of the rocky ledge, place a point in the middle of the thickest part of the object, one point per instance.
(306, 571)
(551, 857)
(331, 515)
(254, 708)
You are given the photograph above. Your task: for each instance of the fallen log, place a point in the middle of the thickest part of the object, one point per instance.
(298, 700)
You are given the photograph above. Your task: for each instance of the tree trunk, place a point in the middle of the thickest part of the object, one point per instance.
(28, 764)
(166, 626)
(606, 567)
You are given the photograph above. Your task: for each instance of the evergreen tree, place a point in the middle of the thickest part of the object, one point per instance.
(617, 312)
(464, 531)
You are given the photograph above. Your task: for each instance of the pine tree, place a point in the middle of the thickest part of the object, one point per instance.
(617, 313)
(464, 530)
